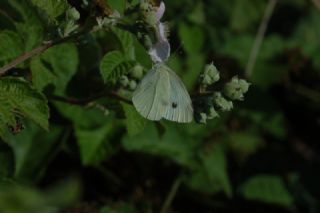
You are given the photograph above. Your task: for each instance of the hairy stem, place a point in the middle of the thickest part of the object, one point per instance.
(260, 37)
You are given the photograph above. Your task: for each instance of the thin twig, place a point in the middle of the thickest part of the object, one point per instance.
(171, 195)
(260, 36)
(85, 101)
(316, 3)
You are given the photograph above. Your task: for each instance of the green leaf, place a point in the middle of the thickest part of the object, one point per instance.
(29, 26)
(16, 198)
(267, 188)
(246, 13)
(82, 117)
(6, 159)
(211, 175)
(118, 5)
(94, 144)
(126, 40)
(113, 65)
(56, 66)
(192, 38)
(135, 123)
(11, 46)
(172, 144)
(53, 8)
(123, 208)
(33, 149)
(18, 98)
(245, 143)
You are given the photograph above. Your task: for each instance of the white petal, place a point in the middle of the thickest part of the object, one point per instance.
(160, 11)
(160, 51)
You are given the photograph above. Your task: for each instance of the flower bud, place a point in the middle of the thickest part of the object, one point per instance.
(202, 118)
(137, 72)
(210, 75)
(132, 85)
(124, 81)
(236, 88)
(221, 102)
(212, 113)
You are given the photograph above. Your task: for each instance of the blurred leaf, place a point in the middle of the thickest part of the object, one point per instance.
(307, 37)
(53, 8)
(266, 188)
(17, 198)
(171, 145)
(124, 208)
(31, 154)
(246, 13)
(6, 159)
(18, 98)
(55, 66)
(195, 64)
(94, 144)
(134, 121)
(11, 46)
(211, 175)
(192, 38)
(84, 118)
(197, 15)
(113, 65)
(118, 5)
(245, 143)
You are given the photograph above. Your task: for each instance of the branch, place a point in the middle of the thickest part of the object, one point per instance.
(260, 36)
(36, 51)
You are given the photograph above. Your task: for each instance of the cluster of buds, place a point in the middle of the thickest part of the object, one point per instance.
(208, 106)
(130, 81)
(72, 16)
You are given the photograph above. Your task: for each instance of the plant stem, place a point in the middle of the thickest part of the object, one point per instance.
(173, 191)
(260, 37)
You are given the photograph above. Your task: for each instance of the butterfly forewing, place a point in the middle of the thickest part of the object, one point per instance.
(152, 95)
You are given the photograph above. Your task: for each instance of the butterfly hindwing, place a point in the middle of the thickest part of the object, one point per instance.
(180, 107)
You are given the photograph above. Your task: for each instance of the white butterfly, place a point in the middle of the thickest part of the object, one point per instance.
(161, 94)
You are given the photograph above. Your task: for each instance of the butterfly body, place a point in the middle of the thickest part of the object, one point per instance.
(161, 94)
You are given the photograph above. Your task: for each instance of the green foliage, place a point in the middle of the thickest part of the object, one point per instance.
(95, 145)
(114, 65)
(134, 122)
(19, 99)
(260, 155)
(27, 199)
(11, 46)
(270, 189)
(211, 175)
(56, 66)
(52, 8)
